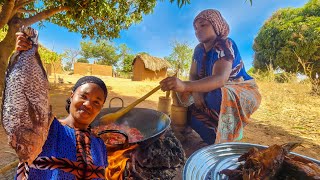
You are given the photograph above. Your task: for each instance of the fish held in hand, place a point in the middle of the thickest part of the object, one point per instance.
(25, 112)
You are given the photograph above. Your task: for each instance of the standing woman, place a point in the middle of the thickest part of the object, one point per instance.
(71, 151)
(224, 94)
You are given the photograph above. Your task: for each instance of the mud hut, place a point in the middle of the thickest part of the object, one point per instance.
(146, 67)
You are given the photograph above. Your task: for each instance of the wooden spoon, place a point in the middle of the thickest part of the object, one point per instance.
(112, 117)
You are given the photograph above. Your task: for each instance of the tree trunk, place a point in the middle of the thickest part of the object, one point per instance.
(54, 73)
(315, 81)
(6, 48)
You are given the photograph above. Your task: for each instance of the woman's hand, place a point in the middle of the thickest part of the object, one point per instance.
(173, 83)
(22, 43)
(199, 100)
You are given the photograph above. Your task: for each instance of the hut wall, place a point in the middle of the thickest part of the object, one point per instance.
(82, 69)
(154, 75)
(140, 73)
(138, 70)
(101, 70)
(92, 69)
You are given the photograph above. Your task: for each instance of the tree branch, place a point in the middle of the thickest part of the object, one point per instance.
(22, 10)
(44, 15)
(21, 4)
(6, 12)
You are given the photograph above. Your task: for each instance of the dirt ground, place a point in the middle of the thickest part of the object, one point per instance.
(273, 123)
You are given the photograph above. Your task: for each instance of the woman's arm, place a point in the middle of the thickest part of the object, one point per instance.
(197, 96)
(193, 71)
(220, 75)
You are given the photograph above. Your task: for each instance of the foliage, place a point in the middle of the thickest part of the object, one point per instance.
(290, 40)
(126, 58)
(287, 35)
(68, 66)
(94, 19)
(70, 57)
(83, 60)
(48, 56)
(97, 19)
(285, 77)
(265, 76)
(182, 2)
(180, 58)
(127, 63)
(103, 52)
(125, 75)
(106, 53)
(251, 71)
(3, 33)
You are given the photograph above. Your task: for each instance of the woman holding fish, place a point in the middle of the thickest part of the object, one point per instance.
(224, 95)
(53, 148)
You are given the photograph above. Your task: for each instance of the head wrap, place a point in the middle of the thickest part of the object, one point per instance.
(219, 24)
(85, 80)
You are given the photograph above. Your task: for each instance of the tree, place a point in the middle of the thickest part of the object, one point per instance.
(103, 52)
(126, 58)
(290, 40)
(2, 34)
(180, 58)
(70, 57)
(68, 66)
(127, 63)
(51, 58)
(94, 19)
(82, 60)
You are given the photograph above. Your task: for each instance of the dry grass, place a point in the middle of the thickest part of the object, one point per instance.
(291, 107)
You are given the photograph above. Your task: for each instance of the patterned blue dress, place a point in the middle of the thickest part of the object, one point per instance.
(205, 121)
(70, 154)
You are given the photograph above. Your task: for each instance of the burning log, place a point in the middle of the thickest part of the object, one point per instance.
(117, 161)
(159, 160)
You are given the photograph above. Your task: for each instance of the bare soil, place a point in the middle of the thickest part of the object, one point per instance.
(288, 113)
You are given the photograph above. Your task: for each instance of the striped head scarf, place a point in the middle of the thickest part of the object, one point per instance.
(219, 24)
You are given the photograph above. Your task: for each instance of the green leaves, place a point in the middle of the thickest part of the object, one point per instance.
(48, 56)
(101, 19)
(126, 58)
(181, 3)
(103, 52)
(250, 2)
(181, 57)
(287, 35)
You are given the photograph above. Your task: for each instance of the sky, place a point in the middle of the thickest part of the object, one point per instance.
(156, 33)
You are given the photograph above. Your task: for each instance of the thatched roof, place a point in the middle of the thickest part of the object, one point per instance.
(152, 63)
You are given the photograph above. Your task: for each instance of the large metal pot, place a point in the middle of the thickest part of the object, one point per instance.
(149, 122)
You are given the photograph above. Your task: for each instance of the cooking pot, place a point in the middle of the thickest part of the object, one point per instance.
(149, 122)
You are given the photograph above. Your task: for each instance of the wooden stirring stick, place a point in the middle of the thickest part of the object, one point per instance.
(112, 117)
(167, 94)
